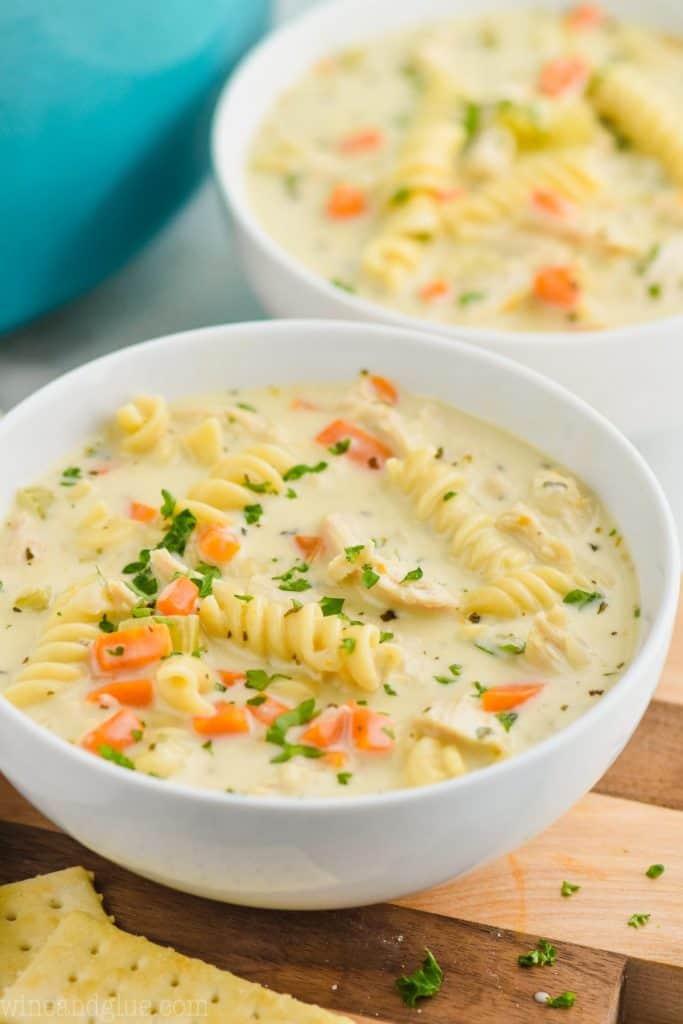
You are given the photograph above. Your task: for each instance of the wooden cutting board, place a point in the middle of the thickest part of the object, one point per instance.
(476, 927)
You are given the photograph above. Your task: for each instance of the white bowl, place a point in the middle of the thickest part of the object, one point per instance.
(631, 374)
(323, 853)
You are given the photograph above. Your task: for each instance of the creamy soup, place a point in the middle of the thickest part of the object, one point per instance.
(319, 590)
(518, 170)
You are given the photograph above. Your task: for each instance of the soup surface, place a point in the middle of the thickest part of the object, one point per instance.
(321, 590)
(518, 170)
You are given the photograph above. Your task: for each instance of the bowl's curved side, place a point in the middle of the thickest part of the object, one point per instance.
(326, 853)
(645, 360)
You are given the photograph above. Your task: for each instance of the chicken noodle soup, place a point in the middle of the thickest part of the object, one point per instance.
(315, 590)
(521, 170)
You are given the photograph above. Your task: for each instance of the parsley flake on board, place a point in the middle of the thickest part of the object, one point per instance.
(638, 920)
(544, 955)
(564, 999)
(568, 888)
(655, 870)
(114, 755)
(582, 598)
(424, 982)
(296, 472)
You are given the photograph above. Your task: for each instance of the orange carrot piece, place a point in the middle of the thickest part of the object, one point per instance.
(310, 547)
(217, 544)
(562, 74)
(434, 290)
(117, 732)
(364, 448)
(231, 678)
(137, 693)
(502, 698)
(302, 404)
(385, 389)
(335, 759)
(179, 597)
(228, 719)
(345, 201)
(557, 286)
(586, 16)
(269, 710)
(546, 200)
(448, 195)
(141, 513)
(131, 648)
(366, 141)
(328, 729)
(371, 731)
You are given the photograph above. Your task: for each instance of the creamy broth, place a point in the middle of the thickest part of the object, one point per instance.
(419, 593)
(520, 170)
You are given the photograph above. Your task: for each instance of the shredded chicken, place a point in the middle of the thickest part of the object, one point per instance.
(254, 423)
(551, 645)
(166, 566)
(522, 523)
(386, 423)
(463, 721)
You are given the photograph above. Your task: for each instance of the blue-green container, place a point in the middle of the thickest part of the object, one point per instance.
(104, 109)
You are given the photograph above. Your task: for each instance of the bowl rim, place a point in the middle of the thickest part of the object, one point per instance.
(657, 634)
(232, 187)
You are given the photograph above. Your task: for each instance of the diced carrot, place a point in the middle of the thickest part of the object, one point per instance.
(228, 718)
(562, 74)
(131, 648)
(345, 201)
(142, 513)
(448, 195)
(364, 448)
(365, 141)
(546, 200)
(117, 732)
(335, 759)
(217, 544)
(231, 678)
(269, 710)
(328, 729)
(434, 290)
(385, 389)
(585, 16)
(310, 547)
(557, 286)
(303, 404)
(502, 698)
(179, 597)
(370, 730)
(137, 693)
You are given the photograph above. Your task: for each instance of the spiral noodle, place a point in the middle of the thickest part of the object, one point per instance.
(101, 529)
(143, 422)
(565, 172)
(63, 647)
(305, 636)
(646, 116)
(472, 533)
(521, 591)
(225, 487)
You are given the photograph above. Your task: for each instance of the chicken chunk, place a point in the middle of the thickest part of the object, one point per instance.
(522, 523)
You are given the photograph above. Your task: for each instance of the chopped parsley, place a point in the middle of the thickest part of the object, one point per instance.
(384, 636)
(262, 487)
(70, 476)
(468, 298)
(638, 920)
(646, 261)
(424, 982)
(449, 495)
(343, 778)
(390, 691)
(252, 513)
(290, 493)
(112, 754)
(246, 407)
(340, 447)
(168, 504)
(105, 625)
(507, 719)
(655, 870)
(544, 955)
(296, 472)
(244, 597)
(256, 701)
(564, 999)
(331, 605)
(277, 733)
(414, 574)
(288, 579)
(353, 552)
(258, 679)
(479, 689)
(401, 196)
(471, 120)
(344, 285)
(348, 644)
(208, 746)
(454, 670)
(568, 889)
(582, 598)
(117, 651)
(206, 574)
(369, 577)
(136, 734)
(176, 537)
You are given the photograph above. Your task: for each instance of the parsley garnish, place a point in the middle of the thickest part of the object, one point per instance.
(136, 734)
(348, 644)
(644, 264)
(208, 746)
(353, 552)
(340, 447)
(331, 605)
(345, 287)
(390, 691)
(112, 754)
(544, 955)
(252, 513)
(401, 196)
(568, 888)
(449, 495)
(116, 651)
(414, 574)
(638, 920)
(424, 982)
(295, 585)
(343, 778)
(507, 719)
(265, 487)
(479, 689)
(564, 999)
(256, 701)
(105, 625)
(289, 583)
(296, 472)
(244, 597)
(176, 537)
(246, 406)
(467, 298)
(168, 504)
(454, 670)
(370, 577)
(290, 493)
(277, 733)
(655, 870)
(70, 476)
(582, 598)
(258, 679)
(471, 120)
(206, 574)
(384, 636)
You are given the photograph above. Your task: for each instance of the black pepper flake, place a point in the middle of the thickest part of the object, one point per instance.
(438, 454)
(593, 547)
(373, 462)
(601, 607)
(389, 615)
(28, 555)
(474, 617)
(595, 693)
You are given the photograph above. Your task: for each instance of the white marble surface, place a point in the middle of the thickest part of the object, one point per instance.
(188, 277)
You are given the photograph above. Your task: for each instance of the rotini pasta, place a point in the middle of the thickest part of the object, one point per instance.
(520, 592)
(143, 423)
(235, 480)
(182, 681)
(550, 644)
